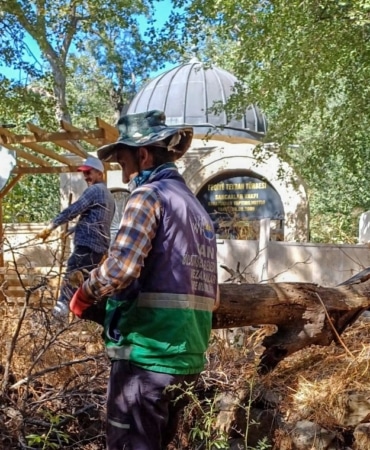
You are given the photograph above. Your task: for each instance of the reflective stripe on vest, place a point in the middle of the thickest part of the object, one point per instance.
(175, 301)
(125, 426)
(119, 352)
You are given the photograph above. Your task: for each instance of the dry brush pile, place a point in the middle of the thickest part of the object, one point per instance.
(53, 383)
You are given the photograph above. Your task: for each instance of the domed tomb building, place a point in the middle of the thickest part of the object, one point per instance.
(237, 190)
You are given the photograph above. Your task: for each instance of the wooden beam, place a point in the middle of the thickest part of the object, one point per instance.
(45, 170)
(27, 156)
(111, 133)
(22, 164)
(74, 148)
(6, 135)
(10, 185)
(50, 153)
(55, 169)
(68, 145)
(31, 158)
(93, 137)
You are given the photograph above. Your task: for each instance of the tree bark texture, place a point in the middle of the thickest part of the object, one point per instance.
(304, 313)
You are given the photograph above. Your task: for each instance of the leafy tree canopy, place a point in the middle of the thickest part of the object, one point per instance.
(306, 65)
(71, 60)
(108, 32)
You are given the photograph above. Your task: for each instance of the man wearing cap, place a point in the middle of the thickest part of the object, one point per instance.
(160, 278)
(95, 208)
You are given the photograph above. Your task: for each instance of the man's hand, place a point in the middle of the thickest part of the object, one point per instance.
(80, 302)
(45, 233)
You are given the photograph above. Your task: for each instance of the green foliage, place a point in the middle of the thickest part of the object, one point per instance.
(35, 199)
(262, 443)
(203, 430)
(54, 438)
(336, 183)
(337, 199)
(71, 61)
(306, 65)
(39, 39)
(202, 414)
(22, 104)
(89, 97)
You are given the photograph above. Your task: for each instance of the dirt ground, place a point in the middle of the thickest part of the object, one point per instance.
(53, 383)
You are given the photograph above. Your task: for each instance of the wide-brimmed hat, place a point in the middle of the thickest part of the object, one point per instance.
(91, 163)
(148, 129)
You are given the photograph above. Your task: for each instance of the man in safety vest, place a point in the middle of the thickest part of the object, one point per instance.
(160, 278)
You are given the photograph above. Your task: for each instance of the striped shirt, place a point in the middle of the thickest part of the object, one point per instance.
(133, 242)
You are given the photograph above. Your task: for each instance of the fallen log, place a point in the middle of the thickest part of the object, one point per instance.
(304, 313)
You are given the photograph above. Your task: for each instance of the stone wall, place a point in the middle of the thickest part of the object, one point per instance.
(323, 264)
(22, 247)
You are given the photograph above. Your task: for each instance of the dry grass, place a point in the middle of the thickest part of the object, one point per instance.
(318, 383)
(312, 384)
(55, 388)
(57, 380)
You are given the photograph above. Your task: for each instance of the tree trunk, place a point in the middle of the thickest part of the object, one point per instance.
(304, 313)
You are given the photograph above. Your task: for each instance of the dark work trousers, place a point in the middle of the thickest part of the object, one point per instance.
(141, 414)
(82, 259)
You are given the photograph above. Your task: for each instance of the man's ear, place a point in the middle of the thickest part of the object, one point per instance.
(143, 152)
(145, 158)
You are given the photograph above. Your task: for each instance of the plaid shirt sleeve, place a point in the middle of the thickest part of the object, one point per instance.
(85, 201)
(132, 244)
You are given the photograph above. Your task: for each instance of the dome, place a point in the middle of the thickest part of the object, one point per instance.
(187, 94)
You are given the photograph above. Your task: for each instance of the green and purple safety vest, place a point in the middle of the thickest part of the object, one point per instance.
(162, 321)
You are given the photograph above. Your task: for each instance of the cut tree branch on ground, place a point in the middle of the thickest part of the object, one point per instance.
(304, 313)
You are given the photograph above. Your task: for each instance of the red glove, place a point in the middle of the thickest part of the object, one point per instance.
(80, 302)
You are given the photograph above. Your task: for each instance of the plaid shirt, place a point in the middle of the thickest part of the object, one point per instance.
(96, 209)
(132, 244)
